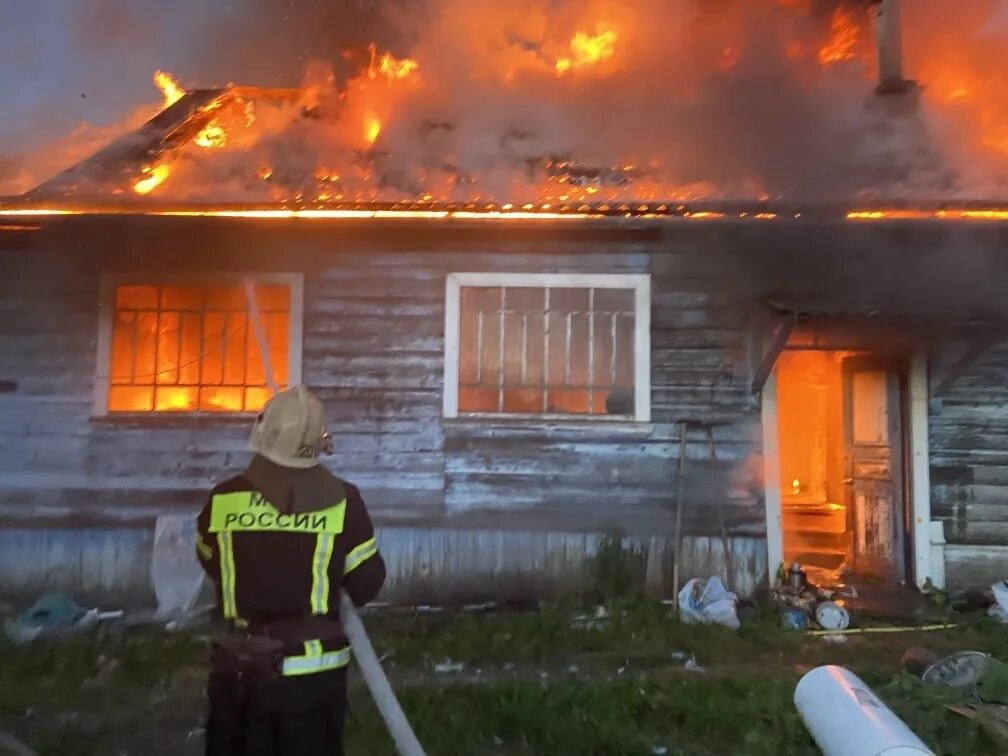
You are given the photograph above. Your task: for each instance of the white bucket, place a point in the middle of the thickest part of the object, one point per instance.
(847, 719)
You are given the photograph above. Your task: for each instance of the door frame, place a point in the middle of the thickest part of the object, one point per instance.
(918, 487)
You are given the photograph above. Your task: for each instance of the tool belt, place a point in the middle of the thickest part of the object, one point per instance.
(256, 654)
(247, 658)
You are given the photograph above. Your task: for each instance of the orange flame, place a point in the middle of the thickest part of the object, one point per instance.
(841, 44)
(390, 66)
(588, 50)
(171, 91)
(212, 135)
(155, 176)
(372, 128)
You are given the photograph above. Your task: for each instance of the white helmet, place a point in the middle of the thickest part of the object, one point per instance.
(291, 429)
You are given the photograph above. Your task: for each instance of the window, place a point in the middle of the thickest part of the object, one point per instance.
(565, 345)
(191, 346)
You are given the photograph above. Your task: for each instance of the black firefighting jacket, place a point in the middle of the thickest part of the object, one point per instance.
(277, 565)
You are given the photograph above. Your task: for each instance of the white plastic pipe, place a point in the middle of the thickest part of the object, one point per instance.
(847, 719)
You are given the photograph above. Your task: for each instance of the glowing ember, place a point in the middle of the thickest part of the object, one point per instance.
(170, 89)
(372, 128)
(844, 37)
(588, 50)
(212, 135)
(154, 175)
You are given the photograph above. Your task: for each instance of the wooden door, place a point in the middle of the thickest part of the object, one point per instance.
(873, 427)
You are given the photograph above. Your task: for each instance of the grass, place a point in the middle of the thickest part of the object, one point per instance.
(142, 691)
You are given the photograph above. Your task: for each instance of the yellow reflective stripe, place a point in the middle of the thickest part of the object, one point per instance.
(320, 573)
(359, 554)
(248, 511)
(203, 548)
(229, 606)
(313, 647)
(312, 663)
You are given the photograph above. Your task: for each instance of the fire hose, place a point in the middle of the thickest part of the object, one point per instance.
(371, 670)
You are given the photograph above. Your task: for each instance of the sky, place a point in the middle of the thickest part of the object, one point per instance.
(63, 62)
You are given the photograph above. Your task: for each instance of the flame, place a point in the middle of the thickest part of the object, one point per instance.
(372, 128)
(212, 135)
(171, 91)
(155, 176)
(389, 66)
(588, 50)
(845, 33)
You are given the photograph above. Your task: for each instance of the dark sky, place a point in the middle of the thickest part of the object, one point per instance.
(54, 51)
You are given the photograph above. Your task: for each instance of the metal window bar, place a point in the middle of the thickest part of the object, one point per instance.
(590, 377)
(545, 362)
(501, 323)
(159, 315)
(503, 314)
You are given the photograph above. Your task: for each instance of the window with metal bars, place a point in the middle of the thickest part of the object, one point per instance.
(548, 345)
(192, 347)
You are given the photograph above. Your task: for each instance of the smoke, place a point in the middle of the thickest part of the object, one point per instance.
(77, 73)
(683, 99)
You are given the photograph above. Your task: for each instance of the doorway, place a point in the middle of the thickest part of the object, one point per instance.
(842, 436)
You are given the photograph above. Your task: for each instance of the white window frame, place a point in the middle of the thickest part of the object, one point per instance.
(640, 284)
(106, 317)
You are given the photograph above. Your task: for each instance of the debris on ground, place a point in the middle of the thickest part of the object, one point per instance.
(708, 602)
(594, 621)
(961, 671)
(999, 609)
(845, 716)
(177, 577)
(794, 618)
(803, 601)
(832, 616)
(54, 614)
(448, 667)
(692, 666)
(834, 638)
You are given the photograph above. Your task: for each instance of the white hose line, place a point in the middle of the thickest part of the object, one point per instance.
(384, 698)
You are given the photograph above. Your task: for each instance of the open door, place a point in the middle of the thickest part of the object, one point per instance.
(873, 429)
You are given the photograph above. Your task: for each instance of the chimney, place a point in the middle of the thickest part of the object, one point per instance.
(889, 31)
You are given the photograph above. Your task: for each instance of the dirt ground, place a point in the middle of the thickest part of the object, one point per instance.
(559, 680)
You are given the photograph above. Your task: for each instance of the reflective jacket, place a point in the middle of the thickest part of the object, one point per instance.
(275, 568)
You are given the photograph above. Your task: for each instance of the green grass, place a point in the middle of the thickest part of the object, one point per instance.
(141, 691)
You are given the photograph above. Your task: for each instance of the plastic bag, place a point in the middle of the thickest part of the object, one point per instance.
(177, 576)
(999, 609)
(708, 601)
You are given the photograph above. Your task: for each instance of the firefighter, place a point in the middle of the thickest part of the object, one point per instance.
(279, 541)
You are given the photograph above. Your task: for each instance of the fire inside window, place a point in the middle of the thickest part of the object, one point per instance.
(192, 348)
(545, 350)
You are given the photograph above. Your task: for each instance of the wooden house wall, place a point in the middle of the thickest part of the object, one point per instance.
(969, 464)
(374, 350)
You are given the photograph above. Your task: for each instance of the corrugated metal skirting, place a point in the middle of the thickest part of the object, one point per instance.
(425, 565)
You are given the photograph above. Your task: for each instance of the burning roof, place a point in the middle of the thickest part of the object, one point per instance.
(622, 107)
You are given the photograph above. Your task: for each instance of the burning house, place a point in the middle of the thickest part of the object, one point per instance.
(748, 313)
